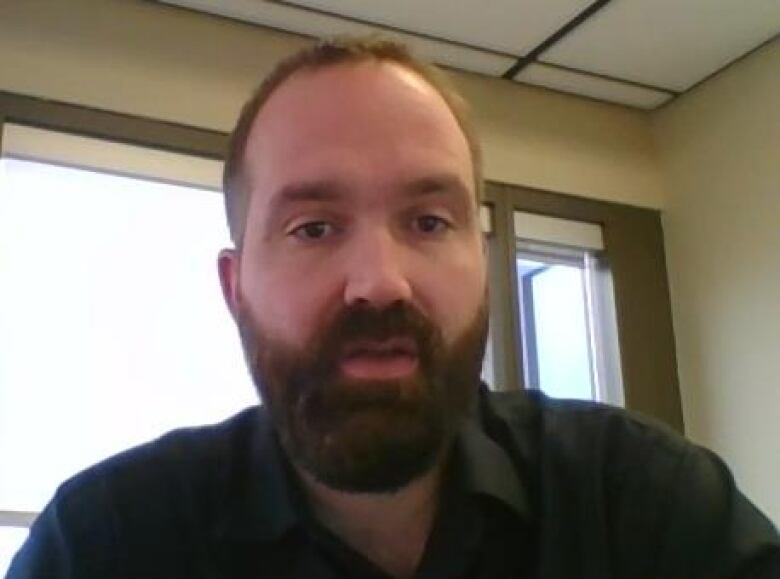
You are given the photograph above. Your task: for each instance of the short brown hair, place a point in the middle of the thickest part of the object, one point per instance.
(326, 53)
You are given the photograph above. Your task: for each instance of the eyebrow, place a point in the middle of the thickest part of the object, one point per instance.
(330, 190)
(307, 191)
(301, 192)
(443, 183)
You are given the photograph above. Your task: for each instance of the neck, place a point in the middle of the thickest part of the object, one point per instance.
(390, 529)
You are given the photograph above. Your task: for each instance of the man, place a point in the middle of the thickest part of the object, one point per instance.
(358, 284)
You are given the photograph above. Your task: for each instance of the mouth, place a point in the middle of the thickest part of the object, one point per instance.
(380, 360)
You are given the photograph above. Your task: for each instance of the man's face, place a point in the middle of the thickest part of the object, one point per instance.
(361, 284)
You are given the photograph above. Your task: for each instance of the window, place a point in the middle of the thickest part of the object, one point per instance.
(629, 307)
(556, 332)
(11, 538)
(566, 317)
(112, 324)
(488, 363)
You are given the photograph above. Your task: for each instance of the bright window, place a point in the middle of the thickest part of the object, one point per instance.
(112, 324)
(566, 315)
(11, 538)
(113, 328)
(556, 331)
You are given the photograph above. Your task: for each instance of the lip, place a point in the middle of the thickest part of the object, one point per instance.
(380, 360)
(400, 345)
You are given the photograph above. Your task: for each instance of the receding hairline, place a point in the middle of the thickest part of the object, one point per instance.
(311, 61)
(407, 75)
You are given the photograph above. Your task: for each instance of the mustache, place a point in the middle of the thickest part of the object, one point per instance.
(361, 322)
(365, 322)
(353, 323)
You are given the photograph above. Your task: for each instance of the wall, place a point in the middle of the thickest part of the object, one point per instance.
(152, 60)
(720, 149)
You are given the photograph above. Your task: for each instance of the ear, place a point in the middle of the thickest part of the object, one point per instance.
(228, 266)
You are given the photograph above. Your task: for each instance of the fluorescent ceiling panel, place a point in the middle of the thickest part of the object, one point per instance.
(306, 22)
(667, 43)
(592, 86)
(509, 26)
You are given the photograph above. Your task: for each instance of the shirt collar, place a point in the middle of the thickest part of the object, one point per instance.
(259, 491)
(487, 469)
(261, 495)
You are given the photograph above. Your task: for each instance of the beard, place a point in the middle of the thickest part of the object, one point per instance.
(366, 435)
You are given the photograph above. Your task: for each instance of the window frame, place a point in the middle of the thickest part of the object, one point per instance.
(635, 257)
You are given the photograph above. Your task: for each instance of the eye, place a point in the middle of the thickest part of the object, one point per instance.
(313, 230)
(431, 224)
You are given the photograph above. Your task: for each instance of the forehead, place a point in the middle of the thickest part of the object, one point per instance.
(370, 119)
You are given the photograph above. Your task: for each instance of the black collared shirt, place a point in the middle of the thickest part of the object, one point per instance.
(536, 488)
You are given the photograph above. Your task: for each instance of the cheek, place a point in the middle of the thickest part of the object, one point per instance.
(454, 292)
(289, 306)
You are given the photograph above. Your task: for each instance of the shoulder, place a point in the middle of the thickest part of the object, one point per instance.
(600, 456)
(659, 500)
(183, 454)
(142, 509)
(170, 488)
(589, 435)
(575, 442)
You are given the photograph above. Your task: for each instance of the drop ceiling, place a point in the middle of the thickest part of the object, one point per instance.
(640, 53)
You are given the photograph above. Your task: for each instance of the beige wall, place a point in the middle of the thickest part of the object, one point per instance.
(152, 60)
(720, 149)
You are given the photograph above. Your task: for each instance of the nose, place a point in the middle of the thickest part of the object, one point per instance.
(376, 271)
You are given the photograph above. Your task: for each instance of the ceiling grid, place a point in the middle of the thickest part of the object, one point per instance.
(640, 53)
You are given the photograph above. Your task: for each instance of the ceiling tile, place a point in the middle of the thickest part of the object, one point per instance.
(318, 25)
(514, 27)
(592, 86)
(667, 43)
